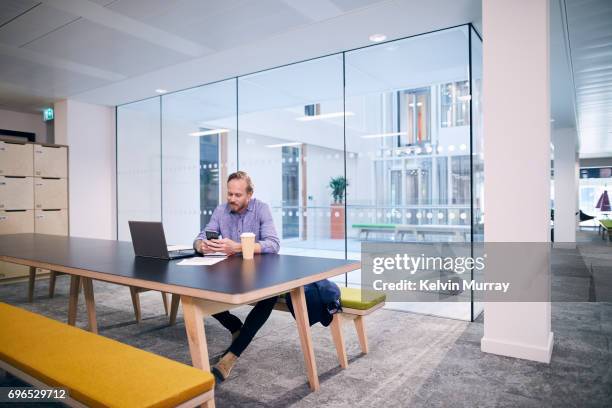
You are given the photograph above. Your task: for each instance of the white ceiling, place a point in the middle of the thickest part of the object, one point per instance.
(589, 28)
(115, 51)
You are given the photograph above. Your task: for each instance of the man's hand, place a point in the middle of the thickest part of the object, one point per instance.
(202, 247)
(224, 245)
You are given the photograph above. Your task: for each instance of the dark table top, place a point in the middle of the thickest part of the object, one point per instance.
(232, 276)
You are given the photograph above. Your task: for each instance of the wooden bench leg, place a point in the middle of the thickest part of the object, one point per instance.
(336, 331)
(209, 404)
(31, 282)
(361, 334)
(136, 303)
(91, 305)
(52, 283)
(75, 286)
(174, 304)
(165, 300)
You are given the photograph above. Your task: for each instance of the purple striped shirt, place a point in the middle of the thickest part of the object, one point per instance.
(256, 219)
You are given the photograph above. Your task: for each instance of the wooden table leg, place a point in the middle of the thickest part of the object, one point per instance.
(136, 303)
(31, 283)
(298, 299)
(91, 305)
(174, 304)
(52, 278)
(194, 325)
(165, 301)
(75, 286)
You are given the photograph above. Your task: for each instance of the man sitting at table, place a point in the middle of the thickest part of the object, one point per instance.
(241, 213)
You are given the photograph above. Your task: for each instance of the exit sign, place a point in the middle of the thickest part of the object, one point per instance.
(48, 114)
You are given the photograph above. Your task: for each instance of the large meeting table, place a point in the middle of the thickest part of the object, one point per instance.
(203, 290)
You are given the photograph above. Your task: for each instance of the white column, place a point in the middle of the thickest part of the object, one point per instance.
(89, 132)
(516, 103)
(566, 170)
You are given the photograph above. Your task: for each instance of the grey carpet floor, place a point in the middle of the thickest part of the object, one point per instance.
(415, 360)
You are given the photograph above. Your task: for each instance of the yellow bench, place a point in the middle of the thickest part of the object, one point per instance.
(96, 371)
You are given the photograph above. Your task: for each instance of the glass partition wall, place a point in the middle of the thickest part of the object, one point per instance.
(358, 146)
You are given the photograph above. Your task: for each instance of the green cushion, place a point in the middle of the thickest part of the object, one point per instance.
(606, 223)
(360, 299)
(381, 226)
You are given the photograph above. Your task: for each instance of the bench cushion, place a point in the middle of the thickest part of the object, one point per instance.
(360, 299)
(97, 371)
(606, 223)
(374, 226)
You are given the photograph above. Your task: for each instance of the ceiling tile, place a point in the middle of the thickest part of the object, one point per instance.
(32, 25)
(9, 9)
(45, 80)
(91, 44)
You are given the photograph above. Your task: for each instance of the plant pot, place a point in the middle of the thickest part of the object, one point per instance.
(337, 221)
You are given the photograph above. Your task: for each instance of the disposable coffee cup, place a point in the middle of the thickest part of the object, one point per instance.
(247, 239)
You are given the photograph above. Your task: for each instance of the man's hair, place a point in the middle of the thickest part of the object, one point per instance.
(242, 175)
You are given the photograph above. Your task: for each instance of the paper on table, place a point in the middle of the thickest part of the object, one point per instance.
(200, 261)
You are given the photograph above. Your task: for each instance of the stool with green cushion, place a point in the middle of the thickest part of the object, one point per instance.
(96, 371)
(358, 303)
(604, 227)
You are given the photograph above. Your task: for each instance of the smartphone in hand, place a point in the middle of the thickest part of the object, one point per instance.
(212, 235)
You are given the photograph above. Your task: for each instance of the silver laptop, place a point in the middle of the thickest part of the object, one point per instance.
(149, 240)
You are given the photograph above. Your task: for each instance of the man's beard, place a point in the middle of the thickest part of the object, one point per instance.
(233, 206)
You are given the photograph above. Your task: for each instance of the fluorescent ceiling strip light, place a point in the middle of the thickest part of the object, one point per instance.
(383, 135)
(285, 144)
(324, 116)
(209, 132)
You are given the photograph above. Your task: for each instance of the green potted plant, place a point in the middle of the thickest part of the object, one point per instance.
(338, 188)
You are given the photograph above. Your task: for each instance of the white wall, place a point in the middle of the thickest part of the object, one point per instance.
(89, 131)
(24, 122)
(566, 184)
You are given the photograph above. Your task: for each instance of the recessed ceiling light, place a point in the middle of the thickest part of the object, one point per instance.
(324, 116)
(209, 132)
(161, 91)
(285, 144)
(378, 37)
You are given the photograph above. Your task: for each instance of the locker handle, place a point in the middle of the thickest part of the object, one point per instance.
(16, 210)
(52, 209)
(50, 178)
(21, 177)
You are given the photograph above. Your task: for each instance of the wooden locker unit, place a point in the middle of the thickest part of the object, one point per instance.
(16, 192)
(33, 194)
(54, 222)
(16, 221)
(50, 161)
(16, 159)
(50, 193)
